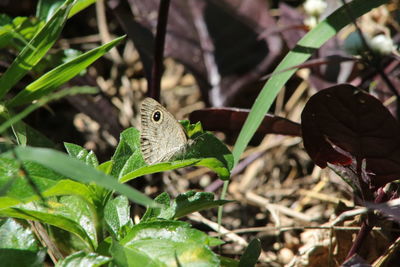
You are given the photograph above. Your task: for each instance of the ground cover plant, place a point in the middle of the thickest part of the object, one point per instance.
(314, 183)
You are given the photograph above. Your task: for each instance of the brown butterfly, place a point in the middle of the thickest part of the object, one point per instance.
(162, 136)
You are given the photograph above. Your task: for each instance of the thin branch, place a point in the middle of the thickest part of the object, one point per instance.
(157, 68)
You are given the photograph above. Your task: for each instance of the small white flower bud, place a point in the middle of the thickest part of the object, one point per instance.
(315, 7)
(381, 44)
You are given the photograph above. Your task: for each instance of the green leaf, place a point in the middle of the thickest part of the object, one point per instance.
(46, 8)
(82, 154)
(228, 262)
(117, 216)
(127, 156)
(184, 204)
(52, 216)
(175, 230)
(206, 150)
(20, 133)
(162, 243)
(193, 201)
(18, 189)
(33, 137)
(313, 40)
(35, 49)
(17, 32)
(77, 170)
(131, 257)
(106, 167)
(71, 91)
(83, 259)
(192, 130)
(80, 5)
(251, 254)
(165, 212)
(14, 235)
(58, 76)
(22, 258)
(158, 167)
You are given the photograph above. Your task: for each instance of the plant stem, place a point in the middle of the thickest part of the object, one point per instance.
(157, 67)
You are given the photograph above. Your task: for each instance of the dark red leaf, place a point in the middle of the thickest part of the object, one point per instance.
(344, 118)
(232, 120)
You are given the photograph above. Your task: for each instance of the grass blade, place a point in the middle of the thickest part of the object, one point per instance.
(35, 49)
(58, 76)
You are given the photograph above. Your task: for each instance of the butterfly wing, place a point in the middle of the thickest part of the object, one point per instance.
(162, 135)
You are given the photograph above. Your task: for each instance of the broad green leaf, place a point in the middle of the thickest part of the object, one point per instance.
(174, 230)
(16, 188)
(117, 216)
(83, 259)
(192, 201)
(35, 49)
(77, 170)
(22, 258)
(13, 235)
(82, 154)
(18, 245)
(127, 156)
(162, 243)
(131, 257)
(82, 212)
(313, 40)
(158, 167)
(32, 211)
(251, 254)
(60, 75)
(184, 204)
(159, 213)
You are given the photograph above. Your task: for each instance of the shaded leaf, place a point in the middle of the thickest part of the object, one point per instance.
(251, 254)
(343, 125)
(22, 258)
